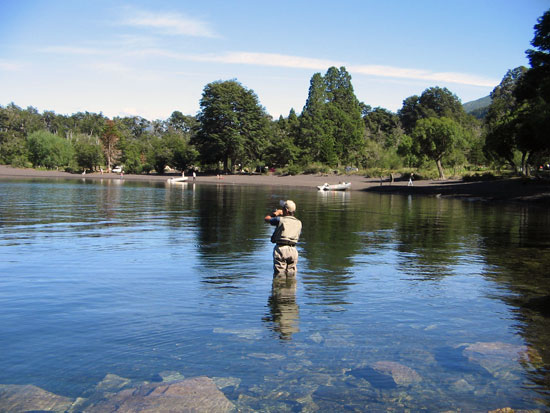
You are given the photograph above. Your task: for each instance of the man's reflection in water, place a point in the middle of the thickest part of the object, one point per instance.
(283, 308)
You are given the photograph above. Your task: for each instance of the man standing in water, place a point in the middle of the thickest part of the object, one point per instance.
(285, 237)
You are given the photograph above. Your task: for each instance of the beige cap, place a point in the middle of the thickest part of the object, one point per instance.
(290, 206)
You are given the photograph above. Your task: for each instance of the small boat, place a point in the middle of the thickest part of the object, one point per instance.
(342, 186)
(176, 180)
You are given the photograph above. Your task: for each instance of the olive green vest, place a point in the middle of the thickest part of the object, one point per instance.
(288, 231)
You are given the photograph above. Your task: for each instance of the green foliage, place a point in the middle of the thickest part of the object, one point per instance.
(435, 102)
(519, 117)
(233, 127)
(182, 154)
(88, 152)
(316, 168)
(382, 126)
(12, 149)
(281, 150)
(49, 150)
(533, 94)
(160, 154)
(436, 138)
(293, 170)
(133, 156)
(331, 127)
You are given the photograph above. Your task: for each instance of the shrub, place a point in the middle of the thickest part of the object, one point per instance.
(49, 150)
(316, 168)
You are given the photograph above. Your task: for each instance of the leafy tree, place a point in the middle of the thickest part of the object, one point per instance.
(183, 155)
(441, 102)
(533, 93)
(502, 138)
(281, 151)
(160, 154)
(92, 124)
(135, 125)
(13, 149)
(410, 112)
(49, 150)
(437, 137)
(383, 126)
(88, 151)
(233, 126)
(182, 123)
(434, 102)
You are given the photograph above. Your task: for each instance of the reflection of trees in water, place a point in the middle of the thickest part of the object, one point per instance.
(230, 227)
(432, 235)
(515, 244)
(329, 242)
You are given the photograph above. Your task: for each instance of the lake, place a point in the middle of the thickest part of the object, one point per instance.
(401, 302)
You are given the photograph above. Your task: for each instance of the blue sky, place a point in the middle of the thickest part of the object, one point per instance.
(149, 58)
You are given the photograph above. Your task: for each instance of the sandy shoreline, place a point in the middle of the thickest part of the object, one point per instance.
(514, 189)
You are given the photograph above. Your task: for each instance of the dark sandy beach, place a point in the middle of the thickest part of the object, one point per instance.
(510, 189)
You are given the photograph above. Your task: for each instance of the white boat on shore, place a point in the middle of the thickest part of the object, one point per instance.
(176, 180)
(342, 186)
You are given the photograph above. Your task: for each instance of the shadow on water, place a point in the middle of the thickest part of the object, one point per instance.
(376, 379)
(453, 360)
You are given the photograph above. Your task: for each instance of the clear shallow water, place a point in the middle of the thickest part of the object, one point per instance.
(400, 302)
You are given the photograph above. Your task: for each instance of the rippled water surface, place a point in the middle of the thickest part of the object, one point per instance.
(400, 302)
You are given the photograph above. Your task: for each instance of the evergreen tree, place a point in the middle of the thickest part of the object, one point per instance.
(331, 127)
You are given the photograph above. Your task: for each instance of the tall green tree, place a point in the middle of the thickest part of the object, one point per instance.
(436, 138)
(233, 127)
(502, 133)
(533, 93)
(332, 129)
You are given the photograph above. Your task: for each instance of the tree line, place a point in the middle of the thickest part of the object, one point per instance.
(232, 131)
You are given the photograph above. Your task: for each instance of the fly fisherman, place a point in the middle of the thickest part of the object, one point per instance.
(285, 237)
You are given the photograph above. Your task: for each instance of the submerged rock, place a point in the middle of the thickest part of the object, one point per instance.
(402, 375)
(195, 394)
(224, 382)
(170, 376)
(462, 386)
(112, 383)
(498, 358)
(495, 349)
(23, 398)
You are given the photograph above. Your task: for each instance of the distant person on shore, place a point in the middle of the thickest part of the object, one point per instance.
(194, 176)
(286, 235)
(411, 180)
